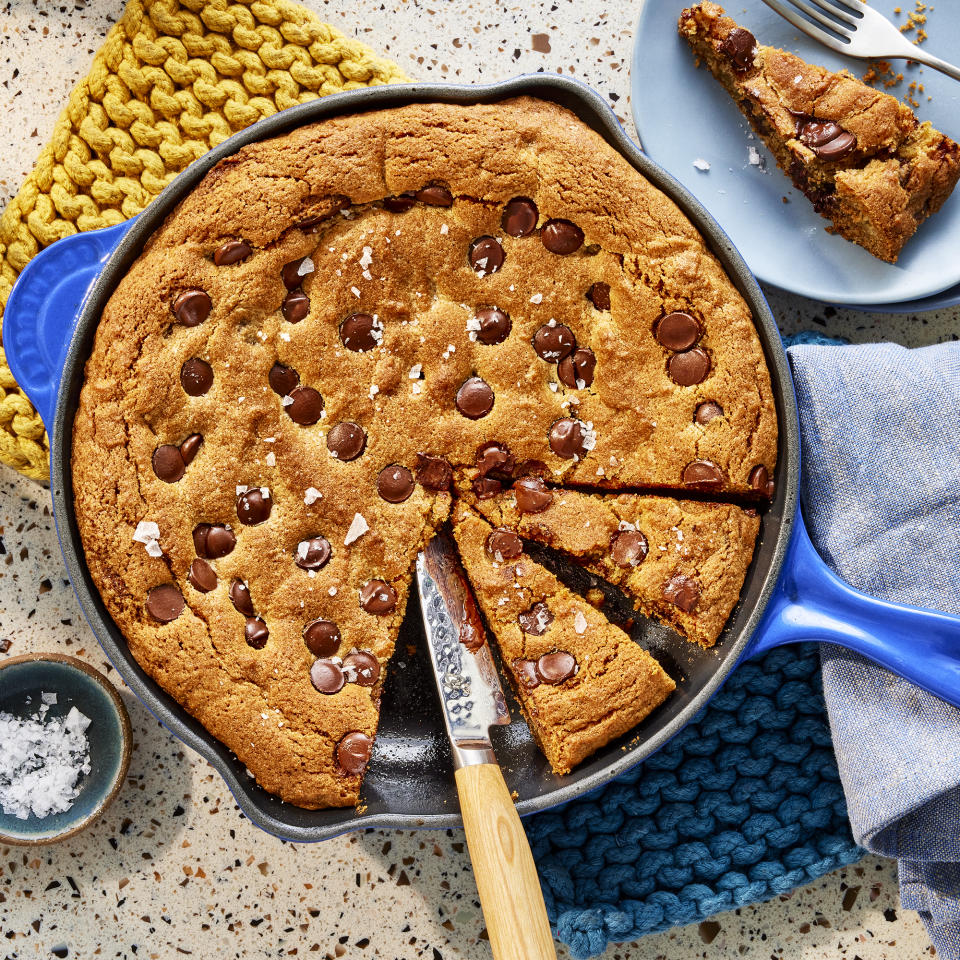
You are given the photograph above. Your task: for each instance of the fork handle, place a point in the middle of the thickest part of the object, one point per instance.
(929, 60)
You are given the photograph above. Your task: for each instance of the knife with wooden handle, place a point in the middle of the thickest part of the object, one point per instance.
(472, 700)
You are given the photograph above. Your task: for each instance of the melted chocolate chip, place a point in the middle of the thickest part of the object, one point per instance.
(296, 305)
(535, 620)
(837, 148)
(291, 274)
(313, 554)
(555, 667)
(576, 371)
(628, 548)
(703, 475)
(682, 592)
(740, 48)
(256, 633)
(760, 480)
(486, 255)
(520, 217)
(213, 541)
(254, 506)
(486, 487)
(503, 545)
(553, 343)
(677, 331)
(283, 380)
(530, 468)
(395, 483)
(240, 598)
(322, 637)
(202, 576)
(168, 463)
(190, 447)
(532, 495)
(826, 139)
(346, 440)
(495, 458)
(599, 295)
(233, 251)
(401, 203)
(433, 473)
(326, 676)
(196, 377)
(165, 603)
(307, 406)
(361, 668)
(353, 753)
(561, 236)
(192, 307)
(474, 398)
(495, 325)
(690, 367)
(378, 597)
(360, 332)
(567, 438)
(435, 196)
(707, 411)
(526, 671)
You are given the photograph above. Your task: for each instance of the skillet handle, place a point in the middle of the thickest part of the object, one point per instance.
(44, 307)
(812, 603)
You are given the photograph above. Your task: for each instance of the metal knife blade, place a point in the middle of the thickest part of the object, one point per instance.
(470, 692)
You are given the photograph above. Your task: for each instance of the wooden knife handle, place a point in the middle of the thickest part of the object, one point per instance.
(503, 865)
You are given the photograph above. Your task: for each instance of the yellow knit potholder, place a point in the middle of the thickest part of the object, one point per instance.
(173, 79)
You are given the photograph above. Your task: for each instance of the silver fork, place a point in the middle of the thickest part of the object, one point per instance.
(856, 30)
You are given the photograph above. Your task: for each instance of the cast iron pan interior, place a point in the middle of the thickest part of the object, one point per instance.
(409, 782)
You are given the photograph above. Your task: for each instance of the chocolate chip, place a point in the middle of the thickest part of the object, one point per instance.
(196, 377)
(760, 480)
(433, 473)
(256, 633)
(395, 483)
(495, 325)
(346, 440)
(486, 487)
(567, 438)
(561, 236)
(707, 411)
(554, 342)
(503, 545)
(168, 463)
(353, 753)
(240, 598)
(535, 620)
(838, 148)
(474, 398)
(401, 203)
(486, 255)
(192, 307)
(740, 47)
(326, 676)
(291, 274)
(599, 295)
(361, 332)
(233, 251)
(628, 548)
(532, 495)
(576, 371)
(189, 448)
(703, 475)
(378, 597)
(520, 217)
(495, 458)
(682, 592)
(689, 367)
(213, 540)
(165, 603)
(677, 331)
(202, 576)
(313, 554)
(283, 380)
(322, 637)
(296, 305)
(361, 668)
(435, 196)
(555, 667)
(307, 406)
(825, 138)
(254, 506)
(527, 675)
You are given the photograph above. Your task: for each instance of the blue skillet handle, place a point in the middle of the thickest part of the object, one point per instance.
(812, 603)
(44, 306)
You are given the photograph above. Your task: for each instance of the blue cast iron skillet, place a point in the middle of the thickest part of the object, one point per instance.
(789, 594)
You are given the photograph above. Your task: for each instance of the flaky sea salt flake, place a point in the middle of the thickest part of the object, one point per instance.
(580, 622)
(358, 527)
(701, 164)
(311, 496)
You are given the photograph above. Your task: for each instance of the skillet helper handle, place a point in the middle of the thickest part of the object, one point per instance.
(506, 875)
(44, 307)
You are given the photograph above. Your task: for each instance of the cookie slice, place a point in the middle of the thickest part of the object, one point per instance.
(860, 156)
(682, 562)
(581, 681)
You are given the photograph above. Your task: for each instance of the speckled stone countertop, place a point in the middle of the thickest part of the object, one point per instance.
(173, 868)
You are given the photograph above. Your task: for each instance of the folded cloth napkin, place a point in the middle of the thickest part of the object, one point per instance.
(880, 428)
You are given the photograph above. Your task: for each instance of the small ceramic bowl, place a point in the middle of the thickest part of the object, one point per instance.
(76, 684)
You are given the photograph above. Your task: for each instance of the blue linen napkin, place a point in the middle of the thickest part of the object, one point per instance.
(880, 428)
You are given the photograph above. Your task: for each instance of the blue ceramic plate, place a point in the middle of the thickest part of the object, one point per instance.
(683, 114)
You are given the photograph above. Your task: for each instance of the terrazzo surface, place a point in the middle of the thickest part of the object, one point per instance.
(173, 868)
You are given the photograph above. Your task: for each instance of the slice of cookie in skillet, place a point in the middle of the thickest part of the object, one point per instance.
(861, 156)
(682, 562)
(580, 680)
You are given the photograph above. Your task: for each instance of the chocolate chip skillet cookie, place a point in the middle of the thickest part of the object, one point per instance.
(327, 332)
